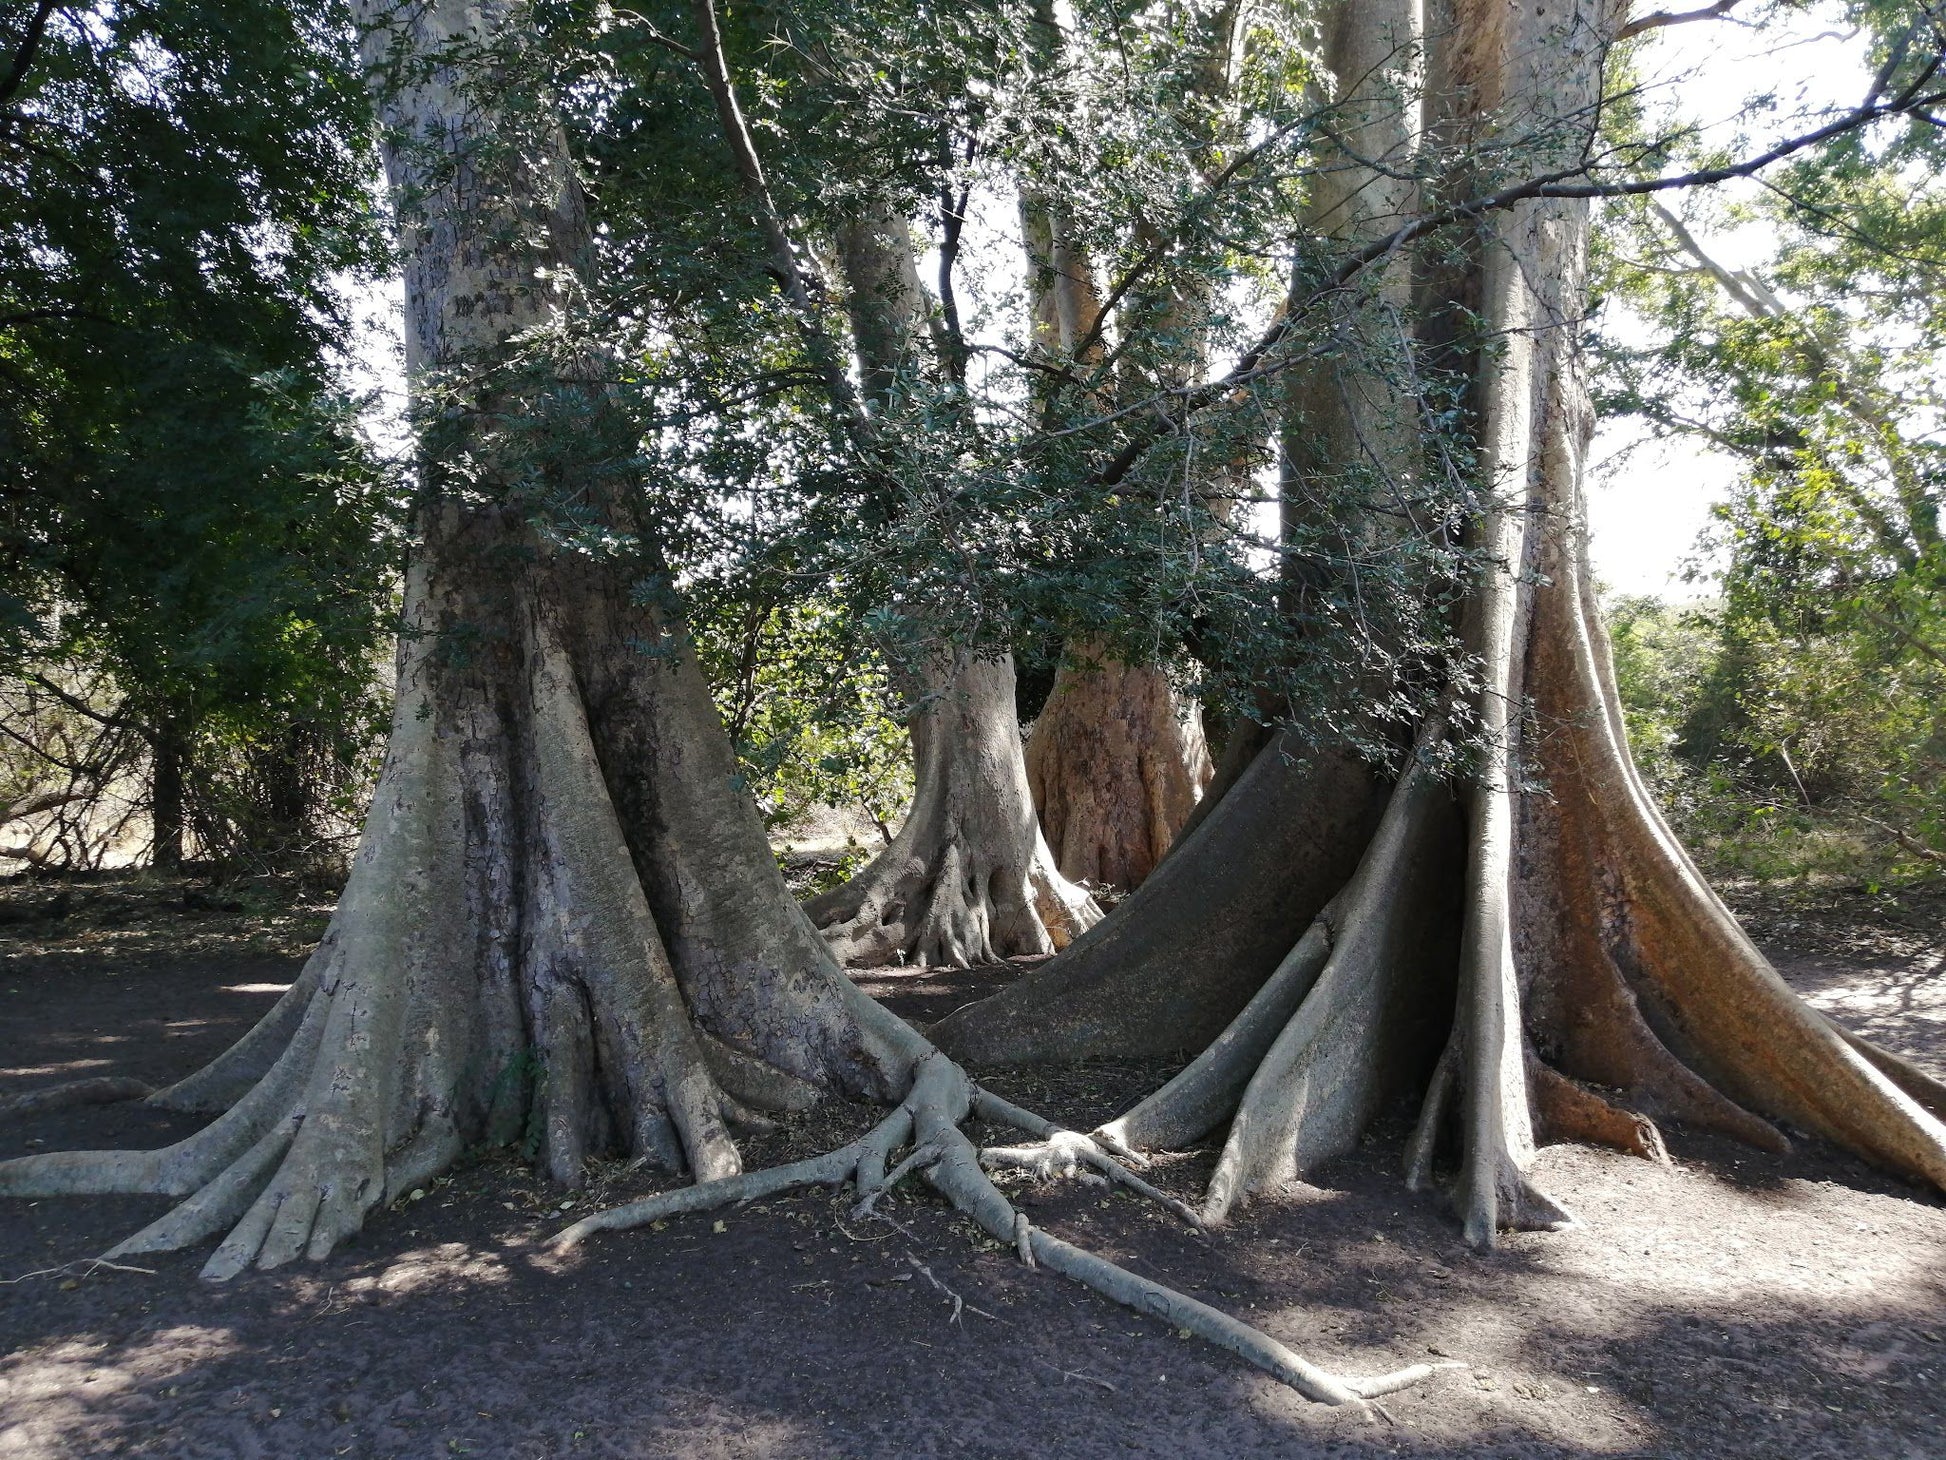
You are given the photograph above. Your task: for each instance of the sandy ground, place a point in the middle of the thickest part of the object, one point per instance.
(1733, 1304)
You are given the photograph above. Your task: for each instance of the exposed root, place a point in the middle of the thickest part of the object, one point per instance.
(1063, 1153)
(1565, 1110)
(921, 1158)
(229, 1077)
(940, 1099)
(180, 1169)
(960, 1305)
(1363, 1026)
(1067, 909)
(1203, 1095)
(98, 1090)
(1187, 951)
(397, 1047)
(1929, 1093)
(87, 1266)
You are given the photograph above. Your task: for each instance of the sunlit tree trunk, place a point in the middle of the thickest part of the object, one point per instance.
(1530, 950)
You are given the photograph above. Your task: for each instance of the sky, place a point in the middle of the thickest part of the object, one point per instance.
(1649, 501)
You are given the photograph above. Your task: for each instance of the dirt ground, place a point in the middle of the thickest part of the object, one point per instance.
(1733, 1304)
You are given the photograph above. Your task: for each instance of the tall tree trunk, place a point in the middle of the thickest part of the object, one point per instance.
(168, 763)
(1117, 758)
(1536, 952)
(563, 916)
(969, 878)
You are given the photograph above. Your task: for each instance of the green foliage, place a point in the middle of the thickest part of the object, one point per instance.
(185, 497)
(1820, 716)
(1781, 755)
(1005, 495)
(809, 713)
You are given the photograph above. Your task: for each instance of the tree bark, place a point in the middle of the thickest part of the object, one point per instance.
(168, 753)
(968, 879)
(563, 916)
(1116, 763)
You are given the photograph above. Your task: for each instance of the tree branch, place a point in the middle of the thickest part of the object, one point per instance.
(24, 53)
(1561, 185)
(34, 805)
(1656, 21)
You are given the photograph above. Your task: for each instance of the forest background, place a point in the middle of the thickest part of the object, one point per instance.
(195, 659)
(942, 373)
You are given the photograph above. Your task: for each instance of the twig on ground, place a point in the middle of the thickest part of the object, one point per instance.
(959, 1304)
(89, 1263)
(1077, 1374)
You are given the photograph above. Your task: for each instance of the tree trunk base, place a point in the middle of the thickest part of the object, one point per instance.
(1116, 763)
(968, 880)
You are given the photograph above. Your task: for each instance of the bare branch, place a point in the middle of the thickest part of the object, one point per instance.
(34, 805)
(1656, 21)
(1565, 184)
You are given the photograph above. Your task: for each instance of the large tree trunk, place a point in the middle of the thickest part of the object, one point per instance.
(563, 916)
(1542, 925)
(1116, 763)
(969, 878)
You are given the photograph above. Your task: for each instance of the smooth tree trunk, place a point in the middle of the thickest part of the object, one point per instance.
(1530, 950)
(969, 878)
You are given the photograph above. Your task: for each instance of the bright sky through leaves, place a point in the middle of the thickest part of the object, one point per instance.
(1651, 500)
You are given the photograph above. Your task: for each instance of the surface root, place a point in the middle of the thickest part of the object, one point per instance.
(100, 1090)
(940, 1099)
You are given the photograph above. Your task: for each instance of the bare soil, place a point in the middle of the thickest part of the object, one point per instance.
(1733, 1304)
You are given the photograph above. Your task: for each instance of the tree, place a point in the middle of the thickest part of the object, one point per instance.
(1833, 583)
(1543, 941)
(1118, 759)
(969, 878)
(563, 911)
(187, 501)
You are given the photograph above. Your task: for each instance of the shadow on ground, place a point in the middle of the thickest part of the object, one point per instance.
(1734, 1304)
